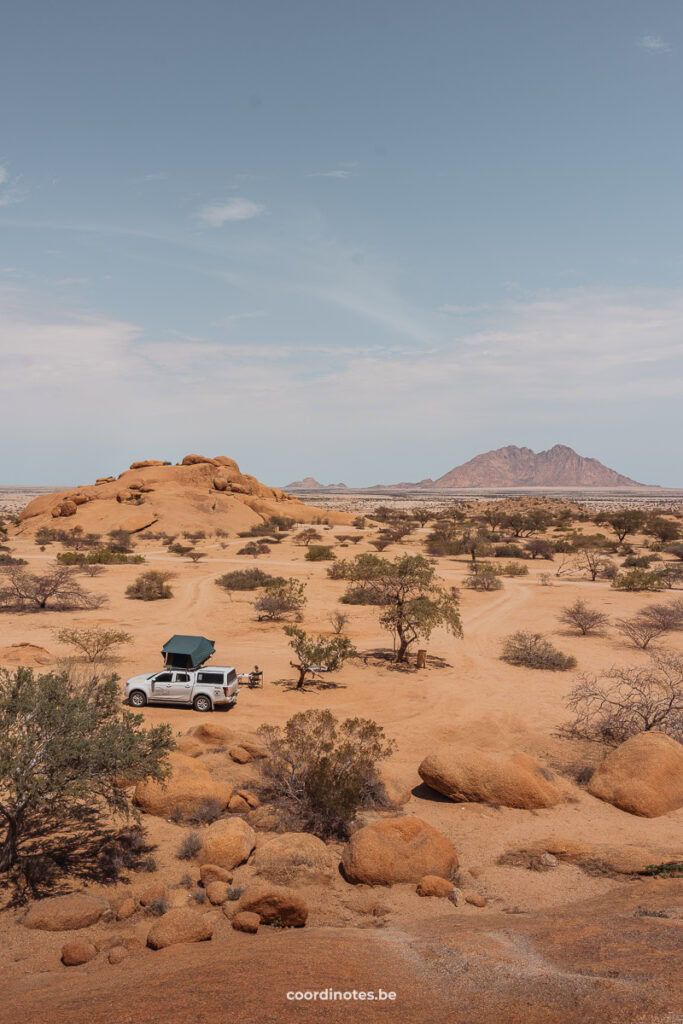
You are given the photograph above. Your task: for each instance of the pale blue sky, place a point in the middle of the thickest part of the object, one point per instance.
(359, 240)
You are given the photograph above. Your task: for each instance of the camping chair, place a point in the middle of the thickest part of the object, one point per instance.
(253, 679)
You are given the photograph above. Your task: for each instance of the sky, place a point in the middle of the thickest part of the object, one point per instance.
(361, 240)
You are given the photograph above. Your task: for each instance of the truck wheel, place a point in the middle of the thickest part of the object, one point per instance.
(202, 703)
(137, 699)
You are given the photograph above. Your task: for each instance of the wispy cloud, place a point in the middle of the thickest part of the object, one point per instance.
(654, 44)
(231, 318)
(10, 190)
(339, 173)
(218, 214)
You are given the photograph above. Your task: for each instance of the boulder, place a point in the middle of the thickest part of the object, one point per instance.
(189, 746)
(398, 792)
(210, 735)
(245, 921)
(643, 776)
(249, 798)
(214, 873)
(240, 755)
(482, 776)
(227, 843)
(145, 463)
(77, 952)
(151, 893)
(595, 858)
(65, 913)
(184, 791)
(196, 460)
(238, 805)
(434, 885)
(274, 904)
(397, 850)
(217, 892)
(125, 909)
(117, 954)
(180, 925)
(295, 855)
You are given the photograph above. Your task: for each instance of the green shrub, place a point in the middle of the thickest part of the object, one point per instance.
(151, 586)
(532, 650)
(247, 579)
(509, 551)
(638, 579)
(513, 569)
(319, 553)
(279, 600)
(483, 576)
(321, 772)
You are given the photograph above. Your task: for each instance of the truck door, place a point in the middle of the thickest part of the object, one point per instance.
(161, 684)
(180, 688)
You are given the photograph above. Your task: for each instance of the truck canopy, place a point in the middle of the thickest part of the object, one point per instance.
(187, 651)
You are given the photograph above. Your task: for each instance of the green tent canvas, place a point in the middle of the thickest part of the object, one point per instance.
(187, 651)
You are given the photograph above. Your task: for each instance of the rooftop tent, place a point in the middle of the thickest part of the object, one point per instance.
(187, 651)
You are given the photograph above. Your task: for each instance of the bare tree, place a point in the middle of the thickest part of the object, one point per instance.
(652, 622)
(584, 618)
(630, 701)
(338, 621)
(27, 590)
(640, 631)
(593, 562)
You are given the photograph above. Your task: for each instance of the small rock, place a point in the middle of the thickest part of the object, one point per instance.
(250, 798)
(434, 885)
(246, 921)
(240, 755)
(108, 942)
(77, 952)
(214, 873)
(475, 899)
(126, 909)
(217, 892)
(117, 954)
(132, 944)
(238, 805)
(545, 862)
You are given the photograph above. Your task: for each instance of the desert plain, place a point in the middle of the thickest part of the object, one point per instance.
(558, 917)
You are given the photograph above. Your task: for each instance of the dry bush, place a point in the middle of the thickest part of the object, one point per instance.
(57, 589)
(338, 621)
(533, 650)
(629, 701)
(189, 847)
(247, 579)
(582, 617)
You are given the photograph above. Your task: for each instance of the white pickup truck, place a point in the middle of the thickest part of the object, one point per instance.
(203, 688)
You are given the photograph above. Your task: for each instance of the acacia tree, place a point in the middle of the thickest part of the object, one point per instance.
(328, 652)
(66, 746)
(94, 643)
(582, 617)
(414, 603)
(624, 522)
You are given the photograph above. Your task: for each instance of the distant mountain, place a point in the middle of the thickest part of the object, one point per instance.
(309, 483)
(511, 466)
